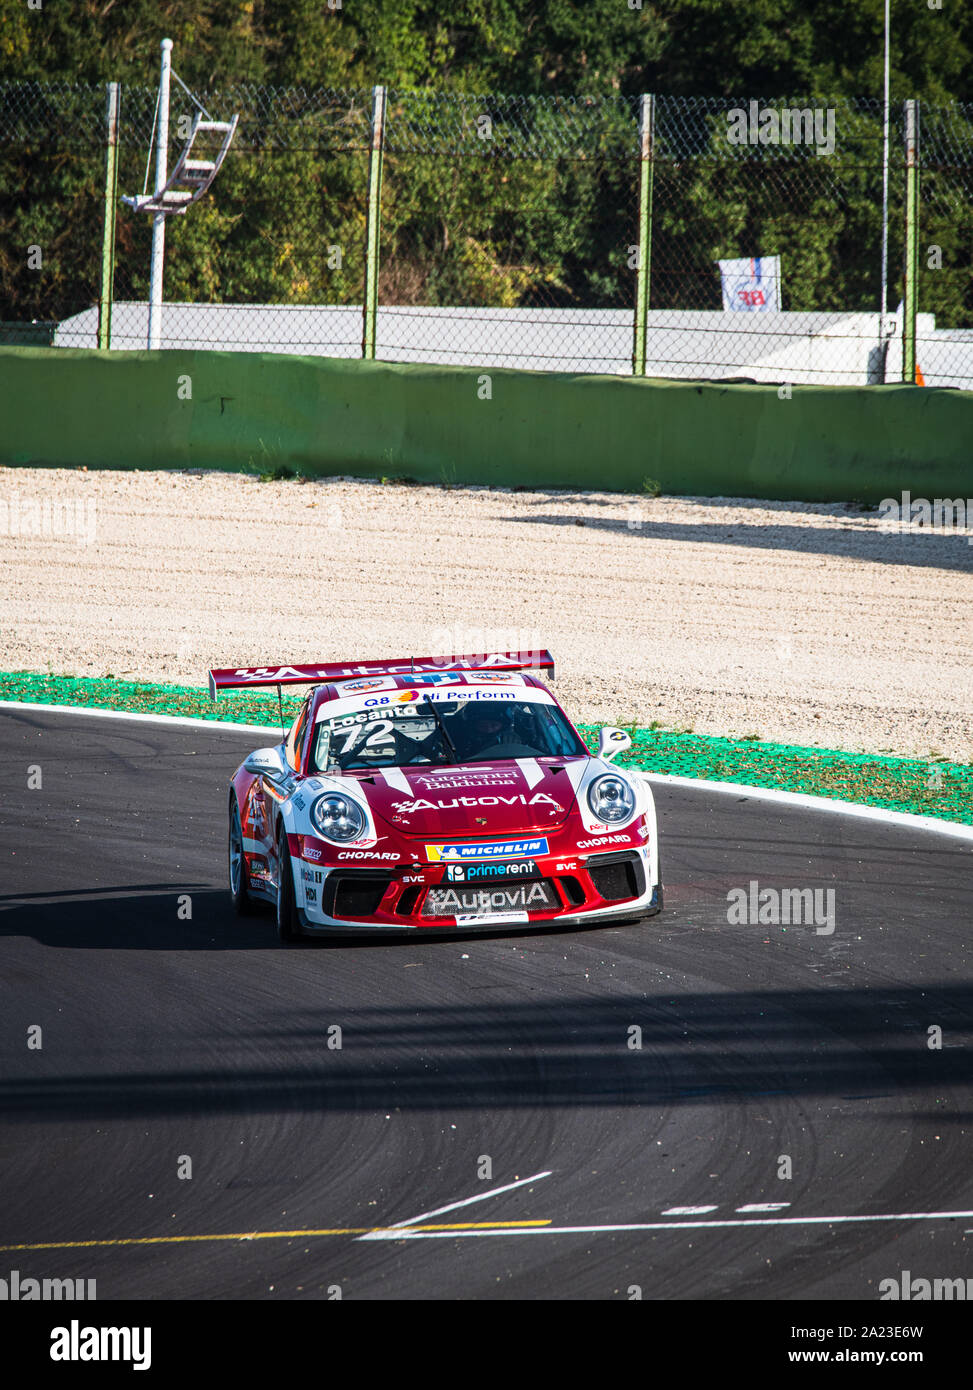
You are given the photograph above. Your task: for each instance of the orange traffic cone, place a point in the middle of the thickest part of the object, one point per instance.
(920, 379)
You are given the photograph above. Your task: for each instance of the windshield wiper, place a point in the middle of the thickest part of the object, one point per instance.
(442, 728)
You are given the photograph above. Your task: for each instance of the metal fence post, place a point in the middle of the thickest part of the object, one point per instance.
(911, 292)
(111, 207)
(374, 217)
(646, 165)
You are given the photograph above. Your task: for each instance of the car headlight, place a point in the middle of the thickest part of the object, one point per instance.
(337, 817)
(611, 799)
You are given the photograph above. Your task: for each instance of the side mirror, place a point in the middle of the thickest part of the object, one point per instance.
(611, 742)
(265, 762)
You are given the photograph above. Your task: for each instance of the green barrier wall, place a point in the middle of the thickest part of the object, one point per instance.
(321, 416)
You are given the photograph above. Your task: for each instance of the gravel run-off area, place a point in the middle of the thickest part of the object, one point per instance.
(795, 622)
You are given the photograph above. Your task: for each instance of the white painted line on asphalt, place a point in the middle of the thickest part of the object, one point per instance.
(181, 719)
(811, 803)
(764, 1206)
(465, 1202)
(815, 803)
(668, 1226)
(687, 1211)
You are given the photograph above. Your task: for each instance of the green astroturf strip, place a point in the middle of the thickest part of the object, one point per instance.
(923, 787)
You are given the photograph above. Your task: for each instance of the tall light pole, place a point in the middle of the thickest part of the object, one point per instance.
(883, 307)
(159, 218)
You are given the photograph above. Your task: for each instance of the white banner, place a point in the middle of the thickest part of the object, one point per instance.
(751, 285)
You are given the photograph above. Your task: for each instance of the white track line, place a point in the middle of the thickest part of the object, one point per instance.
(816, 803)
(184, 720)
(811, 803)
(465, 1202)
(668, 1226)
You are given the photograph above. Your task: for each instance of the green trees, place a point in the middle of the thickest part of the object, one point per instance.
(540, 210)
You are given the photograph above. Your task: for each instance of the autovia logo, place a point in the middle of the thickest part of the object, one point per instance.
(279, 673)
(498, 849)
(408, 808)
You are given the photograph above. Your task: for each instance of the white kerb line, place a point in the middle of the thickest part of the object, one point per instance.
(466, 1202)
(632, 1227)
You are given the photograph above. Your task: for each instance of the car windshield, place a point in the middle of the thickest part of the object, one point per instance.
(469, 730)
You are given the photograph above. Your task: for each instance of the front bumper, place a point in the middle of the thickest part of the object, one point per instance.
(587, 888)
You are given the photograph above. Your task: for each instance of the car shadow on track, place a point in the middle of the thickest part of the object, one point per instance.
(192, 917)
(143, 917)
(861, 1047)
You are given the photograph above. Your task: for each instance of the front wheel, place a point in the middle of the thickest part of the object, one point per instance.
(288, 927)
(243, 903)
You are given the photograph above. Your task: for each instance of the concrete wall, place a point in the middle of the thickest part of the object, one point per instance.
(257, 411)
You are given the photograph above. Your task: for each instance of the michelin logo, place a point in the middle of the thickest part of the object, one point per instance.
(499, 849)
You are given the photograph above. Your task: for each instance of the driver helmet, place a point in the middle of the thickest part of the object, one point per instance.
(486, 719)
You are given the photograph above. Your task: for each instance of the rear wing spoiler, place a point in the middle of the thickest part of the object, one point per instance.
(257, 676)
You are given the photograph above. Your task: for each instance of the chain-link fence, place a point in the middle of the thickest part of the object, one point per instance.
(507, 225)
(543, 233)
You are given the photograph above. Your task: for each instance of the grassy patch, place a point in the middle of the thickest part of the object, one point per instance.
(928, 787)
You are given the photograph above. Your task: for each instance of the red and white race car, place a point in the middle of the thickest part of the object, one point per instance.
(436, 793)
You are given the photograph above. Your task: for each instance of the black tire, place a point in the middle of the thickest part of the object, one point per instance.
(243, 904)
(288, 927)
(661, 898)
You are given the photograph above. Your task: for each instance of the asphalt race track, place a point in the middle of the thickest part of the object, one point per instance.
(167, 1036)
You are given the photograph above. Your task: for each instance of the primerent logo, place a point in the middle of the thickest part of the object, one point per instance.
(76, 1343)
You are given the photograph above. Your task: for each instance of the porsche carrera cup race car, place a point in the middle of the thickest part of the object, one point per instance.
(437, 794)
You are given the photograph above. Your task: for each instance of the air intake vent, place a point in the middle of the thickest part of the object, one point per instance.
(618, 876)
(356, 894)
